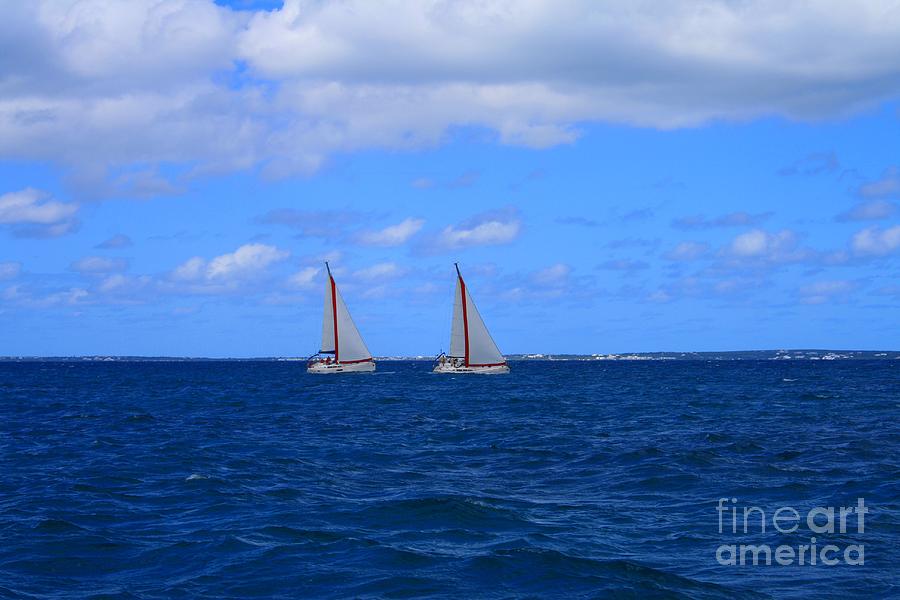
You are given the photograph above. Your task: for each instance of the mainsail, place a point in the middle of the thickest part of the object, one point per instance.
(469, 337)
(339, 333)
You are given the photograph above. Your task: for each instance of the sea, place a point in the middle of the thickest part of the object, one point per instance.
(567, 479)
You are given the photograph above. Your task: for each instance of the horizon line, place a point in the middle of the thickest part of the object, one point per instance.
(398, 357)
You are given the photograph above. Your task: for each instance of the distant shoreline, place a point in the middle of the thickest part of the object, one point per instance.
(782, 355)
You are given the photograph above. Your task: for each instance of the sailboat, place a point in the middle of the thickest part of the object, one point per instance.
(472, 349)
(340, 338)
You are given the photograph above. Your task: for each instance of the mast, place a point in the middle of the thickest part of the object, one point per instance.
(334, 312)
(465, 313)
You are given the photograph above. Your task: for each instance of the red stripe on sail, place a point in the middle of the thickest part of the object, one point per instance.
(334, 316)
(462, 292)
(352, 362)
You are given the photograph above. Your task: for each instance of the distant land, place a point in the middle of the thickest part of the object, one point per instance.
(730, 355)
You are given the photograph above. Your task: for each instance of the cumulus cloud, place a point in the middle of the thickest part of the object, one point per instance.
(32, 213)
(679, 63)
(114, 90)
(99, 264)
(874, 241)
(757, 245)
(393, 235)
(248, 261)
(486, 229)
(98, 85)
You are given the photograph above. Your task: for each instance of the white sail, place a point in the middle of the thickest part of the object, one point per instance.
(328, 319)
(339, 333)
(482, 349)
(469, 337)
(350, 345)
(457, 333)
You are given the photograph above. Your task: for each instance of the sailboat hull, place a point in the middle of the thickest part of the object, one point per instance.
(321, 368)
(491, 370)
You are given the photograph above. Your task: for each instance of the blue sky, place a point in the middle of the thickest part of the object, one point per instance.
(173, 174)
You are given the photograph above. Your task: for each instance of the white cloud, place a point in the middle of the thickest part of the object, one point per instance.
(686, 251)
(22, 296)
(70, 296)
(553, 275)
(190, 270)
(32, 213)
(393, 235)
(304, 279)
(31, 206)
(246, 262)
(487, 229)
(249, 258)
(380, 271)
(874, 241)
(10, 269)
(114, 89)
(751, 243)
(671, 64)
(759, 245)
(99, 264)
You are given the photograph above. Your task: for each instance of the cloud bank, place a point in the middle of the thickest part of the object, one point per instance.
(138, 97)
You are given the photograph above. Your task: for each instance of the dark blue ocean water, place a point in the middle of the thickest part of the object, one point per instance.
(566, 479)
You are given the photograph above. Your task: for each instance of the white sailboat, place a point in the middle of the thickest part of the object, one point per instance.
(472, 349)
(340, 338)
